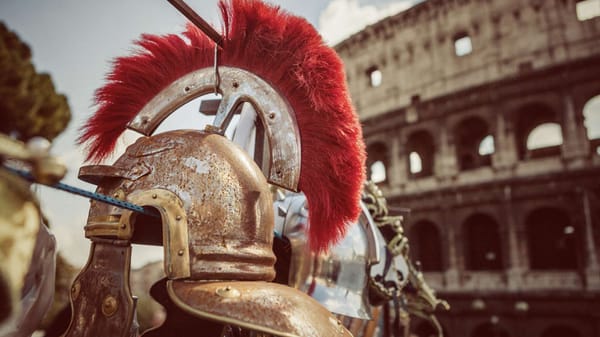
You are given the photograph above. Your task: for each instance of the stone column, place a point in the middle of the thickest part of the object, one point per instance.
(505, 154)
(445, 160)
(516, 264)
(575, 146)
(452, 274)
(592, 267)
(398, 170)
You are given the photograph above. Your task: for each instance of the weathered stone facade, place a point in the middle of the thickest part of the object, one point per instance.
(508, 233)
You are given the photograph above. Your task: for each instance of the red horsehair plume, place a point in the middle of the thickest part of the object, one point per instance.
(287, 52)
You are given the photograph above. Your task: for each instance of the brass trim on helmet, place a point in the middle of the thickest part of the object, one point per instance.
(108, 226)
(175, 228)
(237, 86)
(94, 174)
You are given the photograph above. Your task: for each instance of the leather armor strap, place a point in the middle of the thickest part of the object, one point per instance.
(100, 295)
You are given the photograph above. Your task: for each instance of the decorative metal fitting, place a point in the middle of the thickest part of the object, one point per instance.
(109, 306)
(228, 292)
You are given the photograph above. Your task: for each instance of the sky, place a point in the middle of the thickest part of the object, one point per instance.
(75, 40)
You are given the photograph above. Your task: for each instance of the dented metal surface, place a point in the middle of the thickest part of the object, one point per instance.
(100, 295)
(338, 279)
(222, 194)
(259, 306)
(237, 86)
(216, 224)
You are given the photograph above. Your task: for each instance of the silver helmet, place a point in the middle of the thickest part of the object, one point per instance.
(339, 278)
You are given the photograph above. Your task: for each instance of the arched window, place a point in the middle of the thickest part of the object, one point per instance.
(482, 243)
(462, 44)
(560, 331)
(587, 9)
(538, 131)
(544, 135)
(378, 172)
(552, 240)
(426, 246)
(415, 163)
(421, 152)
(489, 330)
(469, 135)
(591, 114)
(375, 77)
(487, 146)
(377, 162)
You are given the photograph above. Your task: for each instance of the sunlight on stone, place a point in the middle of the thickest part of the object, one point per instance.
(463, 46)
(415, 162)
(544, 135)
(487, 146)
(378, 172)
(587, 9)
(591, 113)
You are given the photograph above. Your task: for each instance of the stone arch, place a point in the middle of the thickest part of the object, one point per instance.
(551, 239)
(378, 161)
(426, 245)
(482, 243)
(529, 119)
(469, 134)
(422, 144)
(374, 76)
(560, 330)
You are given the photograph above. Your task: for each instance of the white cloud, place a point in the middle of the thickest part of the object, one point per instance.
(343, 18)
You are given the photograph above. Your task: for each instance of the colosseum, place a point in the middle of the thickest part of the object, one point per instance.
(483, 118)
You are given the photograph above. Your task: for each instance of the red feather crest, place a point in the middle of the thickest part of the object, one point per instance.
(287, 52)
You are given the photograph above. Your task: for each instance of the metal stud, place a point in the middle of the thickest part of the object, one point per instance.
(109, 306)
(228, 292)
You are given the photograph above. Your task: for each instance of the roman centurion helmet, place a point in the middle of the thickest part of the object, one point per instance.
(206, 201)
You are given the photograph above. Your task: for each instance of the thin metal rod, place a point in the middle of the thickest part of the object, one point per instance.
(87, 194)
(189, 13)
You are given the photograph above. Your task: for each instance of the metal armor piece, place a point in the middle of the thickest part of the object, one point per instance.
(100, 295)
(216, 225)
(27, 248)
(215, 205)
(418, 298)
(391, 274)
(19, 225)
(259, 306)
(337, 279)
(38, 288)
(237, 86)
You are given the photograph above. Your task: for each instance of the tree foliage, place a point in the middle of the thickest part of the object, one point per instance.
(29, 104)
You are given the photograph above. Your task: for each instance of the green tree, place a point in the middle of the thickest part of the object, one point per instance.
(29, 104)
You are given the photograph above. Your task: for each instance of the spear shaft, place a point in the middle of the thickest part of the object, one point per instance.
(197, 20)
